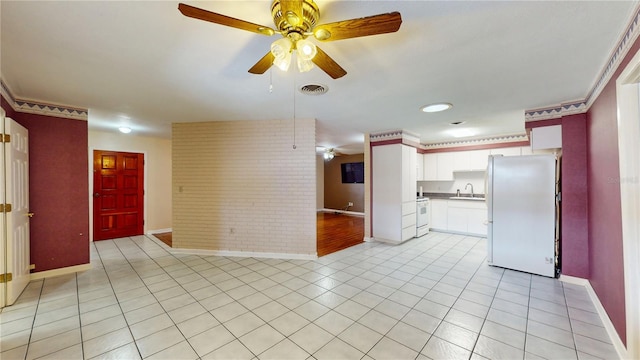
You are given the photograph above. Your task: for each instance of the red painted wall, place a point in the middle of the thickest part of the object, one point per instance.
(575, 233)
(606, 266)
(58, 189)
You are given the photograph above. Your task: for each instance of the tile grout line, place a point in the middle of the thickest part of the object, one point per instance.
(196, 300)
(573, 335)
(118, 301)
(154, 295)
(79, 313)
(471, 352)
(35, 315)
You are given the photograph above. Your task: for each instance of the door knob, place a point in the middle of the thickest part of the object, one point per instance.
(96, 195)
(30, 214)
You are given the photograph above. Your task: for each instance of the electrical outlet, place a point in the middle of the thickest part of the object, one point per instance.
(350, 203)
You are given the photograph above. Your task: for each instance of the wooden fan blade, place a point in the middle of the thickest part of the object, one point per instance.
(201, 14)
(292, 11)
(370, 25)
(328, 65)
(263, 64)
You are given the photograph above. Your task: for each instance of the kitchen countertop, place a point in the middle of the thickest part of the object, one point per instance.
(447, 196)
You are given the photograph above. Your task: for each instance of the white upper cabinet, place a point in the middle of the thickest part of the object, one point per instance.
(430, 167)
(419, 167)
(441, 166)
(546, 137)
(461, 161)
(408, 174)
(473, 160)
(445, 167)
(479, 159)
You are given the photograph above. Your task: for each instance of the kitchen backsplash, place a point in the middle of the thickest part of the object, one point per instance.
(475, 178)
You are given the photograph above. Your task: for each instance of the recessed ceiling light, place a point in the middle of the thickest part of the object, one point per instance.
(436, 107)
(124, 129)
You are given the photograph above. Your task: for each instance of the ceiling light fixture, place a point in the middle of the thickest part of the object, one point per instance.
(329, 154)
(282, 50)
(437, 107)
(124, 129)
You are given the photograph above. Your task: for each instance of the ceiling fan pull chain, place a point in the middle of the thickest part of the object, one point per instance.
(294, 110)
(270, 81)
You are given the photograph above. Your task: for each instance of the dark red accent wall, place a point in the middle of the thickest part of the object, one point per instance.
(58, 189)
(575, 233)
(606, 267)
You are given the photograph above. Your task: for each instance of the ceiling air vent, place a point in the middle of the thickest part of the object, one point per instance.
(314, 89)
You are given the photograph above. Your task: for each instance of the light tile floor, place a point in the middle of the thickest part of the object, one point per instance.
(433, 297)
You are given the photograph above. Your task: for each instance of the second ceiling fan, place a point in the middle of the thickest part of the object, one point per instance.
(296, 20)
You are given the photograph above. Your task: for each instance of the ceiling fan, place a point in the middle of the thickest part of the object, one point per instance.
(296, 20)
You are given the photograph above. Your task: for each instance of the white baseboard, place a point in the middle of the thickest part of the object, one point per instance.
(606, 321)
(159, 231)
(57, 272)
(343, 212)
(386, 241)
(368, 239)
(253, 254)
(263, 255)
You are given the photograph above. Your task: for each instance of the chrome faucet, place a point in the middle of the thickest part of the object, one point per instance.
(469, 184)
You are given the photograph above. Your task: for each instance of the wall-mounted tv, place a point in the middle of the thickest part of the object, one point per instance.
(352, 173)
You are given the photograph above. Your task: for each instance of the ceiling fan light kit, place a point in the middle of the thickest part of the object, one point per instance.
(329, 154)
(296, 20)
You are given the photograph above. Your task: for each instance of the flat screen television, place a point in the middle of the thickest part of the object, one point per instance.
(352, 173)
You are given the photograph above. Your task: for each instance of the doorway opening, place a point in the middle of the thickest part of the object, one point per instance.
(628, 103)
(338, 231)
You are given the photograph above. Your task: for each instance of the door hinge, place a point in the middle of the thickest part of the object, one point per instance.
(5, 208)
(6, 138)
(5, 278)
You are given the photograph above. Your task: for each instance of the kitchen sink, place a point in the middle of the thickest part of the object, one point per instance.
(466, 198)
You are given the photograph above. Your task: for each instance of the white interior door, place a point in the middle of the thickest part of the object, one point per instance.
(3, 223)
(15, 230)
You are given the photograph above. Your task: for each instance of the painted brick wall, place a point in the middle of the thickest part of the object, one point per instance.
(240, 186)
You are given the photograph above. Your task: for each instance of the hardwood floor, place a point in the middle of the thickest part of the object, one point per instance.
(338, 231)
(334, 232)
(166, 238)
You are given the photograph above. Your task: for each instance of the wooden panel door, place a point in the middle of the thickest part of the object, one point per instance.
(15, 246)
(118, 194)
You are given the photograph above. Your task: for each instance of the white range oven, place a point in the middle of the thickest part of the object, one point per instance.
(422, 214)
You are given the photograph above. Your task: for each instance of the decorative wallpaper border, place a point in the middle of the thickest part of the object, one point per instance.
(484, 141)
(581, 106)
(34, 107)
(556, 111)
(394, 135)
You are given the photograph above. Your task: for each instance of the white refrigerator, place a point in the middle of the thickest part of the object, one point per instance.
(522, 213)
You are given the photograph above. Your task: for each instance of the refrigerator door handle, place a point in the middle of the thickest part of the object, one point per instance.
(488, 193)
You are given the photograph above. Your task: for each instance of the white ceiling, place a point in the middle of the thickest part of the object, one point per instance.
(143, 64)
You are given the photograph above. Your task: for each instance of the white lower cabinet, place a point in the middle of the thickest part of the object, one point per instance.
(477, 221)
(438, 213)
(459, 216)
(456, 218)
